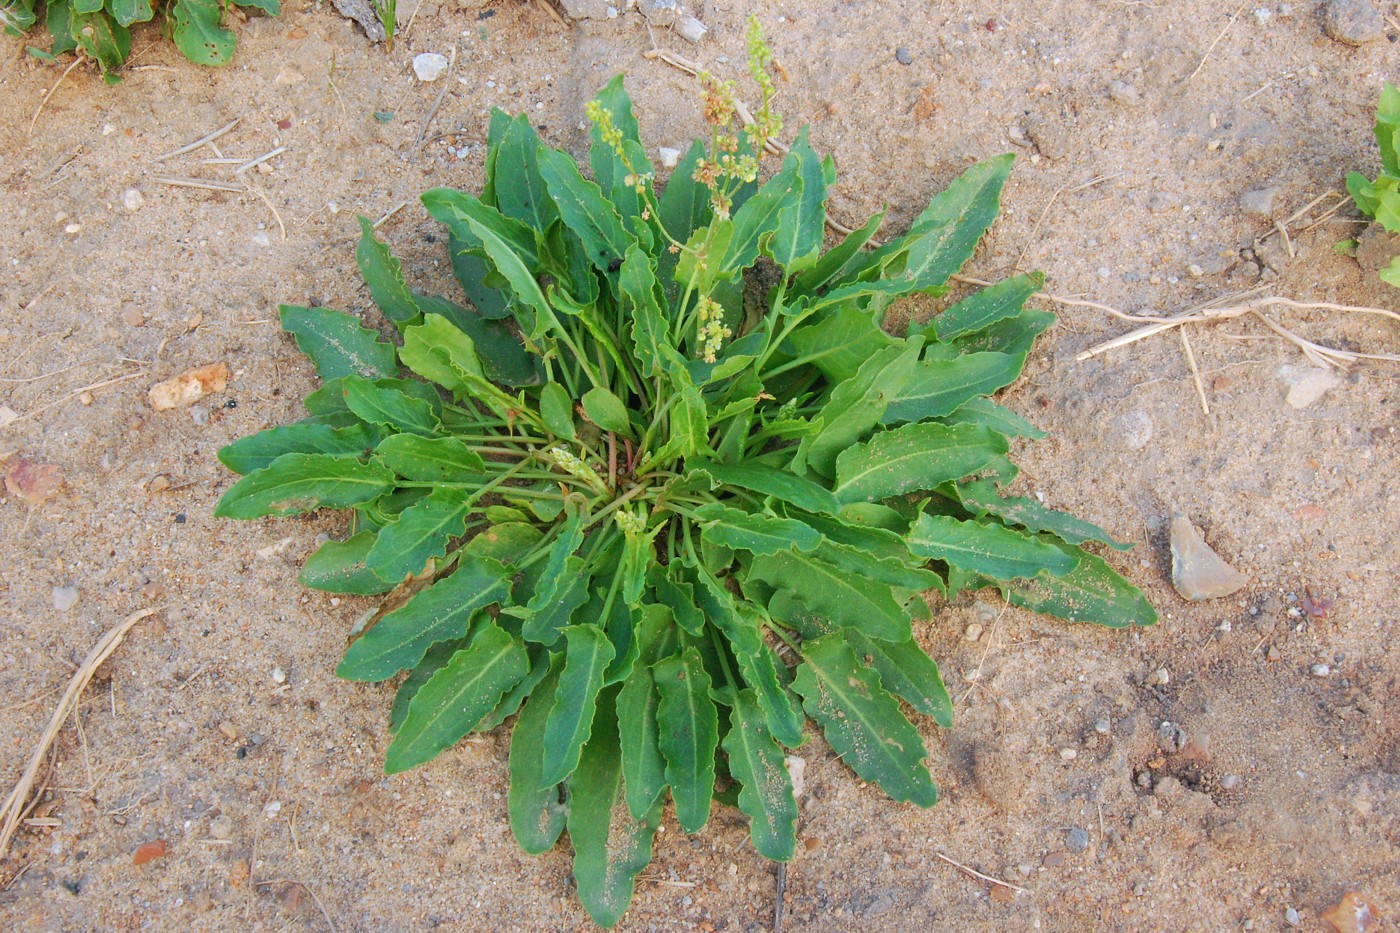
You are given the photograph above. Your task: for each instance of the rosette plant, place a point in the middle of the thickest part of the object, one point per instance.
(666, 488)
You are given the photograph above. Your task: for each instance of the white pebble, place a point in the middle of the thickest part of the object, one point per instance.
(262, 239)
(1069, 754)
(1290, 916)
(1320, 670)
(1160, 677)
(669, 157)
(73, 228)
(429, 66)
(973, 631)
(1103, 726)
(65, 597)
(132, 200)
(1229, 781)
(279, 676)
(272, 809)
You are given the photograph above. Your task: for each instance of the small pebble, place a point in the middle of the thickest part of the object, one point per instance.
(65, 597)
(132, 200)
(199, 415)
(1197, 571)
(1076, 840)
(1159, 677)
(1290, 916)
(1320, 670)
(221, 826)
(1053, 860)
(973, 632)
(1306, 384)
(902, 56)
(1259, 204)
(273, 808)
(1102, 726)
(1122, 92)
(1068, 754)
(669, 157)
(691, 29)
(429, 66)
(73, 228)
(1229, 782)
(228, 730)
(1352, 22)
(149, 852)
(279, 676)
(1135, 429)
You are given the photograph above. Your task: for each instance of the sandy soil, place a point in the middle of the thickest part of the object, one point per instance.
(218, 726)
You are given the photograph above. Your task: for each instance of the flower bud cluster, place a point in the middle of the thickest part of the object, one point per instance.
(712, 332)
(566, 460)
(629, 524)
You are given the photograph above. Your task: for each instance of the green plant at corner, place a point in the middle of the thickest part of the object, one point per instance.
(659, 525)
(386, 11)
(1380, 199)
(101, 29)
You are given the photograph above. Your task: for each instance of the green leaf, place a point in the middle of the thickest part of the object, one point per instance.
(857, 405)
(780, 484)
(698, 266)
(759, 665)
(993, 551)
(981, 496)
(312, 435)
(679, 596)
(383, 402)
(984, 308)
(906, 671)
(457, 208)
(1092, 592)
(900, 570)
(270, 7)
(832, 265)
(684, 207)
(510, 703)
(435, 660)
(846, 599)
(422, 531)
(455, 699)
(840, 342)
(862, 722)
(571, 717)
(606, 410)
(502, 357)
(521, 280)
(196, 32)
(944, 236)
(546, 621)
(1388, 128)
(642, 303)
(519, 190)
(801, 229)
(559, 572)
(989, 414)
(689, 733)
(103, 39)
(939, 387)
(1013, 335)
(754, 532)
(913, 457)
(557, 411)
(431, 459)
(296, 482)
(336, 343)
(643, 767)
(382, 274)
(584, 209)
(536, 812)
(765, 794)
(756, 222)
(17, 16)
(443, 611)
(339, 567)
(610, 847)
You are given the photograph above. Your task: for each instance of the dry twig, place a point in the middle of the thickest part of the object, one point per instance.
(201, 141)
(977, 874)
(16, 804)
(40, 109)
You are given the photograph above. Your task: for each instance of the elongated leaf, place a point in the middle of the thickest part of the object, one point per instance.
(981, 496)
(765, 793)
(521, 280)
(913, 457)
(901, 570)
(993, 551)
(511, 702)
(297, 482)
(1013, 335)
(753, 532)
(503, 358)
(196, 32)
(797, 241)
(610, 847)
(830, 267)
(862, 722)
(421, 531)
(382, 274)
(689, 733)
(337, 343)
(906, 671)
(382, 402)
(857, 405)
(684, 207)
(764, 672)
(438, 350)
(643, 302)
(989, 414)
(536, 812)
(431, 459)
(516, 186)
(939, 387)
(846, 600)
(545, 621)
(339, 567)
(643, 768)
(435, 660)
(840, 341)
(449, 204)
(944, 236)
(314, 435)
(443, 611)
(984, 308)
(571, 717)
(1092, 592)
(780, 484)
(756, 222)
(584, 209)
(678, 595)
(455, 699)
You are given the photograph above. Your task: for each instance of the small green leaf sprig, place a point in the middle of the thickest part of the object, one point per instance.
(658, 526)
(1380, 199)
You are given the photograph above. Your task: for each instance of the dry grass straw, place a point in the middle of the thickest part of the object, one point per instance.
(18, 802)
